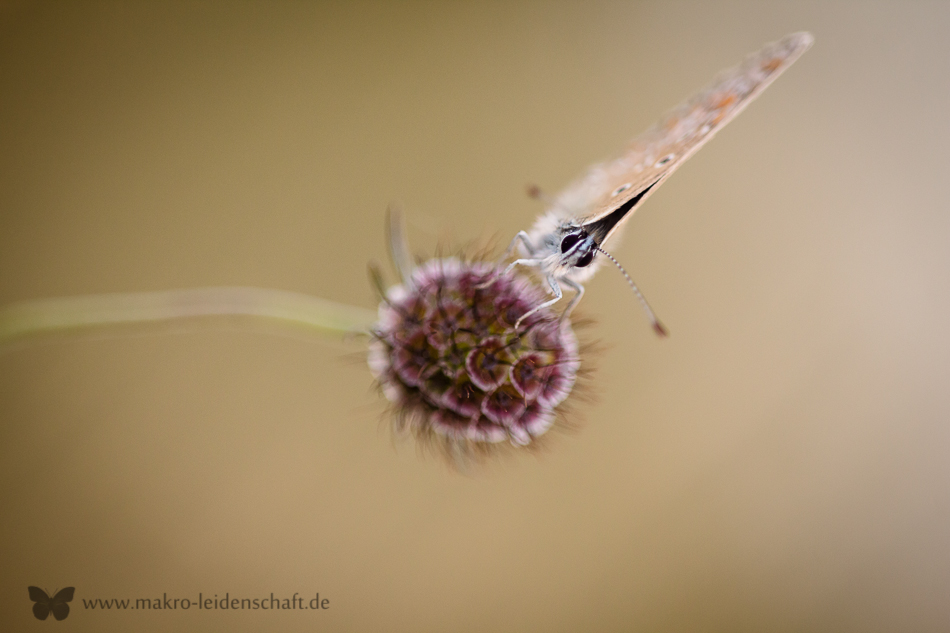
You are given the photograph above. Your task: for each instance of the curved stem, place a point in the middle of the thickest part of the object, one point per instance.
(45, 316)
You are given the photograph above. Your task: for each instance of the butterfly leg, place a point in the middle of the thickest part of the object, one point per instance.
(511, 247)
(579, 292)
(508, 251)
(554, 288)
(522, 262)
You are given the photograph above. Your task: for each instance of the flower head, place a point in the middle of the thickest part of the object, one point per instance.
(447, 354)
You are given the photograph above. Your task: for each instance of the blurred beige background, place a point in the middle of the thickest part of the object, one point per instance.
(779, 464)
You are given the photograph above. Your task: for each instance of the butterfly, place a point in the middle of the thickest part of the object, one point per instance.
(566, 240)
(57, 604)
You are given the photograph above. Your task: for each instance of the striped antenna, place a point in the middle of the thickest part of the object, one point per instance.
(657, 326)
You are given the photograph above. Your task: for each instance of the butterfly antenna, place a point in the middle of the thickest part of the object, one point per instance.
(657, 326)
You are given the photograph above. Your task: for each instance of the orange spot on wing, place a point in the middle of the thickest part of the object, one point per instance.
(720, 106)
(724, 101)
(772, 65)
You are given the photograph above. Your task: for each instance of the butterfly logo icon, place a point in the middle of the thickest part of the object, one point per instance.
(55, 605)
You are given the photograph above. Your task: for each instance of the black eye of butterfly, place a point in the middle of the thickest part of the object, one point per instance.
(569, 241)
(585, 260)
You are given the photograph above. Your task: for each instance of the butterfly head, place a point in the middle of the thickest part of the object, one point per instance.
(577, 249)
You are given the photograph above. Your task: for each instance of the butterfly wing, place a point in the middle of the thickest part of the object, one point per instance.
(42, 607)
(654, 155)
(58, 604)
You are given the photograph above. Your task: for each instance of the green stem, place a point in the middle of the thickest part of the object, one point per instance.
(46, 316)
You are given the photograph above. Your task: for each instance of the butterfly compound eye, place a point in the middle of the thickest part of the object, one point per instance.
(568, 242)
(585, 260)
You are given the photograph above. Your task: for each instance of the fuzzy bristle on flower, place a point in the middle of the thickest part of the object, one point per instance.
(447, 354)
